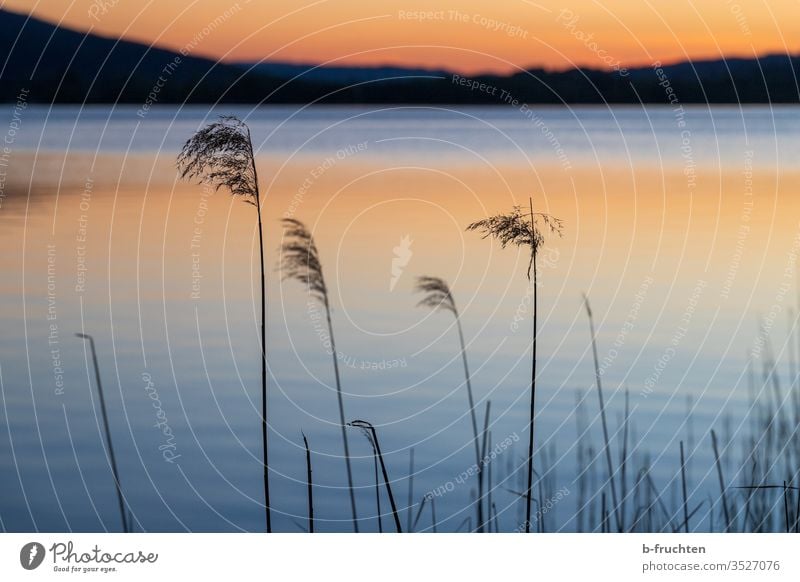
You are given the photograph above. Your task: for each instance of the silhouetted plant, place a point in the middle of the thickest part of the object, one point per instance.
(368, 435)
(722, 487)
(466, 521)
(221, 154)
(437, 295)
(366, 426)
(482, 462)
(300, 261)
(433, 513)
(310, 487)
(427, 497)
(125, 516)
(623, 460)
(421, 506)
(607, 444)
(489, 485)
(683, 491)
(410, 489)
(519, 229)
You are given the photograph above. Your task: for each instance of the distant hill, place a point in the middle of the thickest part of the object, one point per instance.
(61, 65)
(340, 75)
(64, 66)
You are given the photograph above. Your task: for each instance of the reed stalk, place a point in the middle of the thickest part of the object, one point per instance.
(310, 486)
(522, 229)
(604, 422)
(109, 447)
(721, 482)
(683, 490)
(366, 426)
(481, 464)
(437, 296)
(300, 261)
(221, 154)
(410, 488)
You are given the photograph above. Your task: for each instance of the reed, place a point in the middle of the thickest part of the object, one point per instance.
(683, 490)
(489, 483)
(123, 511)
(413, 526)
(607, 445)
(797, 515)
(667, 515)
(368, 436)
(300, 261)
(583, 462)
(519, 229)
(721, 482)
(437, 296)
(623, 462)
(481, 465)
(427, 497)
(689, 516)
(364, 425)
(221, 154)
(604, 513)
(786, 507)
(433, 514)
(309, 485)
(410, 488)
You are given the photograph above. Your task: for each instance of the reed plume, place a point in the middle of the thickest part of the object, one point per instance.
(437, 296)
(519, 228)
(221, 155)
(300, 261)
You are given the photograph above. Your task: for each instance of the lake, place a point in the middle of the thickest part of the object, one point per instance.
(681, 226)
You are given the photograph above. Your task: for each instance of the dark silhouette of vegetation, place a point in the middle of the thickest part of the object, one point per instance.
(519, 228)
(221, 154)
(410, 489)
(606, 442)
(310, 486)
(482, 463)
(112, 458)
(40, 55)
(683, 491)
(437, 295)
(427, 497)
(722, 488)
(420, 507)
(366, 426)
(300, 261)
(368, 436)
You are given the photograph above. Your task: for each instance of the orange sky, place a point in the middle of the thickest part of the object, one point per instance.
(464, 35)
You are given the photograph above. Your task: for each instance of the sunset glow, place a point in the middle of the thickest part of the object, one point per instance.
(465, 35)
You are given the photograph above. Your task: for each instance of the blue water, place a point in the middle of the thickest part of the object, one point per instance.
(97, 237)
(651, 135)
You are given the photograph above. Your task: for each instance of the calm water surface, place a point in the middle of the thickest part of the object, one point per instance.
(681, 226)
